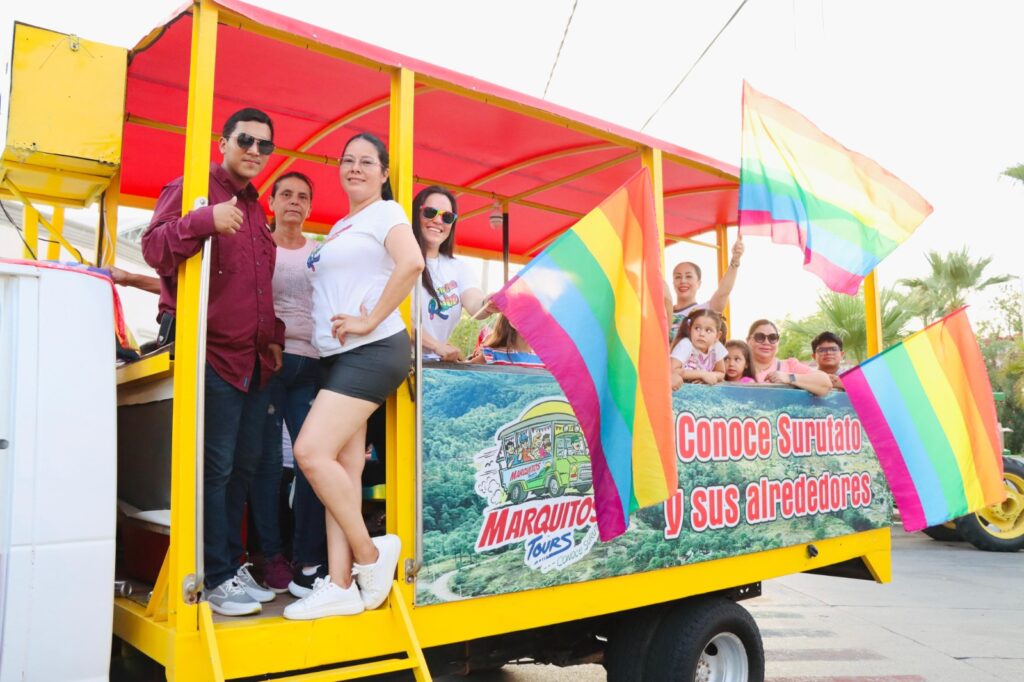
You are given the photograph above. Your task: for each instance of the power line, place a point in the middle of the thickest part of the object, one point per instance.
(559, 53)
(690, 70)
(18, 230)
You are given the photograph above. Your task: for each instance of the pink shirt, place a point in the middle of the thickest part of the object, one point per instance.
(787, 366)
(293, 299)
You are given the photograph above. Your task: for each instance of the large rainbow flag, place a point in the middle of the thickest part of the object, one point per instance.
(801, 187)
(928, 410)
(592, 307)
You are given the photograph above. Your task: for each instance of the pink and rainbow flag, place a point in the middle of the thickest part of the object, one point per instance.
(799, 186)
(928, 410)
(591, 305)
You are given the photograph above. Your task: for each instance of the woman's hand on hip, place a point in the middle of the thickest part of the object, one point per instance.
(360, 325)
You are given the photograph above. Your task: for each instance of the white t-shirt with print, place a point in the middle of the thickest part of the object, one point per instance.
(451, 277)
(349, 269)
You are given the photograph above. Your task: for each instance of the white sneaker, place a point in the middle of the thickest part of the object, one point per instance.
(326, 599)
(251, 587)
(375, 579)
(229, 599)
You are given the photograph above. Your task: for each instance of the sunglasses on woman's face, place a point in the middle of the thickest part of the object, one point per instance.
(447, 217)
(772, 338)
(245, 140)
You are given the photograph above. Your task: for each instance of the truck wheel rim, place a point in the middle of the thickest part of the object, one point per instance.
(1006, 520)
(724, 659)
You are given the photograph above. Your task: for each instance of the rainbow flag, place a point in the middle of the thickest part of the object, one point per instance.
(592, 307)
(928, 410)
(801, 187)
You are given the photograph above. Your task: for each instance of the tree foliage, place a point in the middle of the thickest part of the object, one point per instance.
(1015, 172)
(1004, 359)
(953, 277)
(844, 316)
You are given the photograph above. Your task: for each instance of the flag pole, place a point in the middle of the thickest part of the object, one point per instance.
(872, 315)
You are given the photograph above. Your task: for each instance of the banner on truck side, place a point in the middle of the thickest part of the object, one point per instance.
(507, 487)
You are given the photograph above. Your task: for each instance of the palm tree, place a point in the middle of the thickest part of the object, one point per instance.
(1015, 172)
(953, 277)
(844, 316)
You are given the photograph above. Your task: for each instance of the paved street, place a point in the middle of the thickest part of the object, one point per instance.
(951, 614)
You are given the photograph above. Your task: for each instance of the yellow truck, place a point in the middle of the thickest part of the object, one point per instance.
(490, 572)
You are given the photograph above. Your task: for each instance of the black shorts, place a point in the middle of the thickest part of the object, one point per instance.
(371, 372)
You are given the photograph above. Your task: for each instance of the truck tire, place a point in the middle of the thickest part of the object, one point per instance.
(999, 528)
(707, 638)
(946, 532)
(626, 653)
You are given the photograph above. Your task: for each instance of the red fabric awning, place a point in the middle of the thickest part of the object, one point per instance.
(458, 139)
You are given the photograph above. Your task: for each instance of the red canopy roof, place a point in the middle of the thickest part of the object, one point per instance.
(507, 145)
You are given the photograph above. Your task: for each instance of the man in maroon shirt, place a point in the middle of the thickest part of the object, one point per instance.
(243, 339)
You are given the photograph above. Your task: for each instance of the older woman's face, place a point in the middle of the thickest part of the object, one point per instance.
(291, 202)
(764, 349)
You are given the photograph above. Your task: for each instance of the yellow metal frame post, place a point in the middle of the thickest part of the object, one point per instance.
(182, 614)
(106, 239)
(57, 225)
(872, 315)
(401, 412)
(651, 160)
(30, 231)
(722, 244)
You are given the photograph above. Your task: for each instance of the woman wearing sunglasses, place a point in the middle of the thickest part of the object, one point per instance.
(763, 340)
(447, 287)
(360, 273)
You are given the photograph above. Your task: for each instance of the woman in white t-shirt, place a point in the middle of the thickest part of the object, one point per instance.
(447, 285)
(292, 389)
(360, 273)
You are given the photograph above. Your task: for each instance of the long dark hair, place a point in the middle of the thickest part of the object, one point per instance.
(386, 192)
(504, 335)
(447, 246)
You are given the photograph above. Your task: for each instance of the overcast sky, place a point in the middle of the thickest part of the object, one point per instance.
(928, 88)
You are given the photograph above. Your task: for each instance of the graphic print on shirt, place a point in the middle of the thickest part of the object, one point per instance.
(314, 256)
(447, 298)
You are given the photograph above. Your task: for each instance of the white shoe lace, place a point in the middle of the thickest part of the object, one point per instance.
(365, 570)
(319, 585)
(232, 587)
(243, 572)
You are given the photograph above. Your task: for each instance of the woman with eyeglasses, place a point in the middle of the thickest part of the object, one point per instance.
(447, 282)
(360, 273)
(763, 340)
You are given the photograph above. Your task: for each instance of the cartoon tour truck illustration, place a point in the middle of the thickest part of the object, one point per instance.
(543, 453)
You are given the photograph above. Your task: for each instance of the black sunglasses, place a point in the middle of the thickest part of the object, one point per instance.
(447, 217)
(245, 140)
(772, 338)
